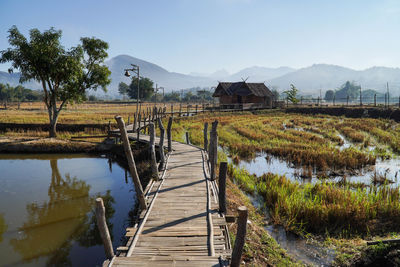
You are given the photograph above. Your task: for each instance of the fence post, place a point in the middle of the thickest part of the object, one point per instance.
(180, 109)
(374, 100)
(161, 144)
(213, 149)
(301, 100)
(172, 109)
(129, 119)
(287, 102)
(138, 128)
(187, 138)
(131, 162)
(334, 98)
(169, 136)
(240, 236)
(205, 131)
(196, 108)
(187, 110)
(103, 229)
(223, 168)
(153, 161)
(347, 100)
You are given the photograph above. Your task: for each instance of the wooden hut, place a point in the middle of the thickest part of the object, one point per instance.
(242, 95)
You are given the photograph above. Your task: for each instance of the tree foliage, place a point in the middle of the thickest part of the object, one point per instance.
(348, 89)
(18, 93)
(146, 89)
(329, 95)
(65, 75)
(123, 89)
(292, 94)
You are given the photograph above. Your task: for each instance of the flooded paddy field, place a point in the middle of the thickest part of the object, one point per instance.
(313, 176)
(47, 208)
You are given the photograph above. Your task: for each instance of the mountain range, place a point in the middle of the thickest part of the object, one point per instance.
(308, 80)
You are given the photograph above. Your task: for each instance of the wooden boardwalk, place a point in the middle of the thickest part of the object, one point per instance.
(182, 226)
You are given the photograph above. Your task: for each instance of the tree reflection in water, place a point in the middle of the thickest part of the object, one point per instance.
(68, 216)
(3, 227)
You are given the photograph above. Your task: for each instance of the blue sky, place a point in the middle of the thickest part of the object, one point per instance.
(204, 36)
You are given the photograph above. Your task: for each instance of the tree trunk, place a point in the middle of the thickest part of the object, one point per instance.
(52, 129)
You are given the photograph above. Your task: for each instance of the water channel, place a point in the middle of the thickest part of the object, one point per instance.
(47, 208)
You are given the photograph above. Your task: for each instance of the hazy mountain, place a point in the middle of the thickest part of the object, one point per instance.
(168, 80)
(308, 80)
(323, 76)
(260, 74)
(13, 80)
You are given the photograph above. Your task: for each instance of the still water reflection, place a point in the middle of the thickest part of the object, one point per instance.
(47, 212)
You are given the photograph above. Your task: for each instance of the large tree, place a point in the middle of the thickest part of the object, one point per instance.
(65, 75)
(146, 89)
(291, 94)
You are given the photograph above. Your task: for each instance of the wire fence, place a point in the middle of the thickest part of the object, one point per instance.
(376, 100)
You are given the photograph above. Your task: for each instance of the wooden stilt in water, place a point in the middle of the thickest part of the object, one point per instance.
(240, 236)
(103, 229)
(131, 162)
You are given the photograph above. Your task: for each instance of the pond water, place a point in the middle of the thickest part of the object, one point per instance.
(264, 163)
(302, 249)
(47, 208)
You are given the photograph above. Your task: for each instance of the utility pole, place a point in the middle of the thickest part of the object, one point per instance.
(387, 87)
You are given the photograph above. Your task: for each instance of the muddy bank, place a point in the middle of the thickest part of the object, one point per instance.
(45, 127)
(50, 145)
(350, 112)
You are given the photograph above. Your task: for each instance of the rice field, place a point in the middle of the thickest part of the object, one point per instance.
(329, 148)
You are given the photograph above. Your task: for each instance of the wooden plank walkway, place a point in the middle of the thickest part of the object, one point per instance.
(182, 226)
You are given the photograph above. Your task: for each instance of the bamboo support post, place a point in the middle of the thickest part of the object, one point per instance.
(169, 135)
(131, 162)
(213, 149)
(103, 229)
(223, 168)
(187, 138)
(138, 128)
(205, 131)
(153, 161)
(161, 144)
(240, 236)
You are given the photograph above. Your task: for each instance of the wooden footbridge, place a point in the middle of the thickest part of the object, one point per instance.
(182, 221)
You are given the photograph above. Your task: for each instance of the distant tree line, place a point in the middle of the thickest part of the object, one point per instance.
(147, 92)
(351, 90)
(19, 93)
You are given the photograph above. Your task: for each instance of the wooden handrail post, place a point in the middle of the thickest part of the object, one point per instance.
(213, 148)
(169, 134)
(103, 229)
(153, 161)
(187, 138)
(205, 132)
(138, 128)
(131, 162)
(240, 236)
(223, 168)
(161, 144)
